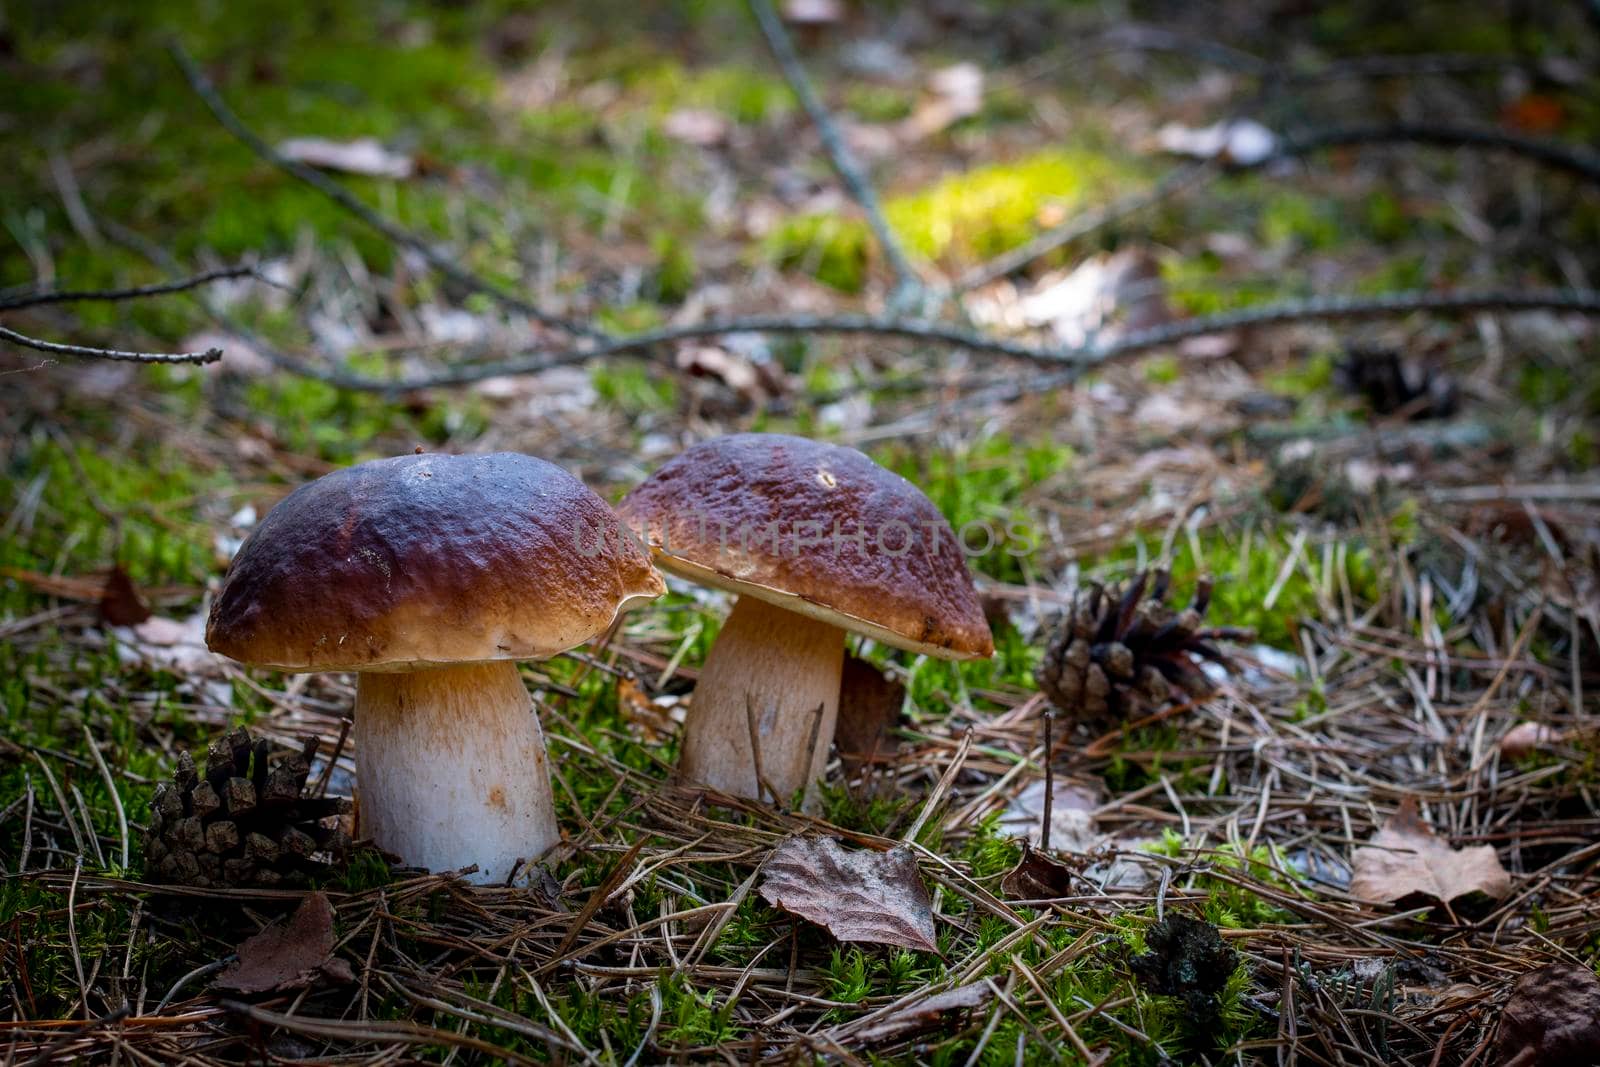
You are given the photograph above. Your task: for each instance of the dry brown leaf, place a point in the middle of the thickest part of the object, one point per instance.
(697, 126)
(1553, 1017)
(1037, 877)
(121, 603)
(1405, 858)
(1072, 823)
(1526, 738)
(363, 155)
(812, 12)
(927, 1013)
(1100, 299)
(754, 382)
(855, 895)
(869, 706)
(175, 645)
(954, 93)
(1242, 141)
(652, 720)
(293, 955)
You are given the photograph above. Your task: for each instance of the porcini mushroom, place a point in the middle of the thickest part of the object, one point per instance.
(814, 539)
(430, 576)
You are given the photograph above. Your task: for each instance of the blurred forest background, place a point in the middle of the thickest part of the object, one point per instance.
(1294, 299)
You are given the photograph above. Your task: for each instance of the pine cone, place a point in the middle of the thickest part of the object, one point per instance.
(243, 823)
(1115, 651)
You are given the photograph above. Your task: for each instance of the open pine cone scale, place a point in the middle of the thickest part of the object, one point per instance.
(1115, 650)
(245, 822)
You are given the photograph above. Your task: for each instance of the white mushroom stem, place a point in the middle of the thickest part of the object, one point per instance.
(772, 678)
(451, 769)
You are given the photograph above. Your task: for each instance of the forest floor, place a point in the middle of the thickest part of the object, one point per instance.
(1402, 508)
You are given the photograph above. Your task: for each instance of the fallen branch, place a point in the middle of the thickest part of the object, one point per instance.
(1574, 160)
(1578, 161)
(1077, 360)
(908, 285)
(210, 355)
(208, 94)
(68, 296)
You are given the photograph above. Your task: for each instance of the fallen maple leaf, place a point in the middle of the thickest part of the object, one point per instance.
(1553, 1016)
(289, 956)
(856, 896)
(1405, 858)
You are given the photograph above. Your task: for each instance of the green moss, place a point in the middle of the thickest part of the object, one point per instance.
(981, 492)
(675, 270)
(1198, 284)
(835, 251)
(878, 103)
(971, 217)
(737, 91)
(632, 388)
(965, 218)
(1300, 220)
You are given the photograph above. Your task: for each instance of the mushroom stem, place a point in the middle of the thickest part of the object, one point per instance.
(772, 675)
(451, 768)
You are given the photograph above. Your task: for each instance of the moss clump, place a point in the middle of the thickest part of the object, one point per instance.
(971, 217)
(963, 219)
(835, 251)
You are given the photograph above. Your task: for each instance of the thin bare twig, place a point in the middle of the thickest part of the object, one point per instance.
(203, 88)
(210, 355)
(67, 296)
(1577, 161)
(908, 285)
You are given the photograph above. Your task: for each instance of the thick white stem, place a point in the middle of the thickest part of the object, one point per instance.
(773, 674)
(451, 769)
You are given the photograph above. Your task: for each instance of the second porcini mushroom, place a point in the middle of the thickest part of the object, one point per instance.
(814, 539)
(431, 575)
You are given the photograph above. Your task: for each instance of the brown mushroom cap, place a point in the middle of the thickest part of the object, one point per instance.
(428, 559)
(736, 512)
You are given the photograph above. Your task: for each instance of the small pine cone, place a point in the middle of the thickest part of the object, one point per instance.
(247, 821)
(1115, 650)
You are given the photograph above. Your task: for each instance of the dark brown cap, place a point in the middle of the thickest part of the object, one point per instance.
(817, 529)
(428, 559)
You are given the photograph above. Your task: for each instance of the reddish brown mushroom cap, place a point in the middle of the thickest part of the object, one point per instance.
(818, 529)
(428, 559)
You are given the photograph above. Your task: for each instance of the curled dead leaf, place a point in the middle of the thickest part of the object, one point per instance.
(854, 895)
(1526, 738)
(652, 720)
(292, 955)
(1037, 877)
(1405, 858)
(925, 1014)
(121, 603)
(363, 155)
(175, 645)
(1072, 823)
(1553, 1016)
(869, 706)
